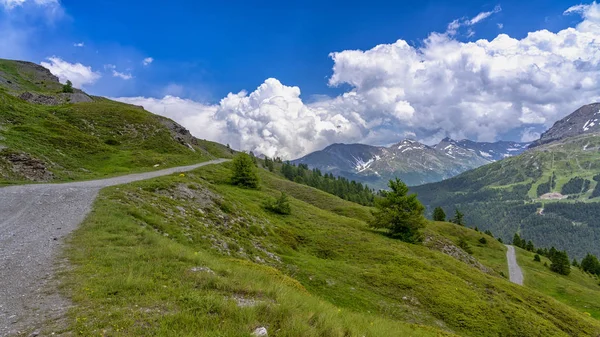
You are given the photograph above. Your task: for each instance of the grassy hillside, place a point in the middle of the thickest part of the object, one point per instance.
(512, 195)
(90, 140)
(193, 255)
(579, 289)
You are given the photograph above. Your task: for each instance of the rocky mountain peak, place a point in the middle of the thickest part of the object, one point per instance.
(583, 121)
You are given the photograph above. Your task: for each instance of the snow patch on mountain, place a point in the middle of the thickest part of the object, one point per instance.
(362, 165)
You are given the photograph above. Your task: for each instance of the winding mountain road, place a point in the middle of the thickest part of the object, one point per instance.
(514, 271)
(34, 219)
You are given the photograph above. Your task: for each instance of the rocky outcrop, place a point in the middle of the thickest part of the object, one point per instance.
(179, 133)
(449, 248)
(25, 166)
(62, 98)
(39, 99)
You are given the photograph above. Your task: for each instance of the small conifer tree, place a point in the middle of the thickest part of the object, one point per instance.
(439, 214)
(244, 171)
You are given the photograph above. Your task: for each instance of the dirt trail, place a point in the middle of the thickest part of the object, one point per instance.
(514, 271)
(34, 219)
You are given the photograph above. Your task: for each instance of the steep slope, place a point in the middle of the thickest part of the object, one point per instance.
(411, 161)
(550, 193)
(194, 255)
(42, 138)
(584, 120)
(579, 289)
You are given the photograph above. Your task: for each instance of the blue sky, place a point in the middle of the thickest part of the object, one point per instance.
(202, 51)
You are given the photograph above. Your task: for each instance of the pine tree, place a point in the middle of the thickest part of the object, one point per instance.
(560, 263)
(400, 213)
(517, 241)
(530, 246)
(458, 218)
(439, 214)
(244, 171)
(590, 264)
(280, 205)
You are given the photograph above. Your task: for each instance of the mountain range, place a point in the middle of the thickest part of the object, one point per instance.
(413, 162)
(550, 193)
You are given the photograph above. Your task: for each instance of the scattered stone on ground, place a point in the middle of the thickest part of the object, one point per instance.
(449, 248)
(260, 332)
(202, 269)
(26, 166)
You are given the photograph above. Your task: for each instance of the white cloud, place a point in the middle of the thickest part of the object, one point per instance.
(77, 73)
(455, 25)
(500, 25)
(124, 76)
(10, 4)
(529, 135)
(113, 69)
(484, 15)
(147, 61)
(445, 87)
(478, 89)
(272, 120)
(79, 44)
(51, 9)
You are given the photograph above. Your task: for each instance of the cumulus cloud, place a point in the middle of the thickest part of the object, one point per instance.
(477, 89)
(77, 73)
(272, 120)
(147, 61)
(79, 44)
(444, 87)
(199, 118)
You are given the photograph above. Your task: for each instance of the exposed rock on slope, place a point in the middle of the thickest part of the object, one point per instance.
(24, 166)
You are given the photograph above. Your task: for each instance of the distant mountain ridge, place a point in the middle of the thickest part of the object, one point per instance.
(413, 162)
(549, 194)
(491, 151)
(584, 120)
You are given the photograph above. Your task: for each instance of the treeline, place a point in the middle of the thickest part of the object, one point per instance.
(560, 262)
(596, 192)
(346, 189)
(572, 226)
(575, 185)
(548, 186)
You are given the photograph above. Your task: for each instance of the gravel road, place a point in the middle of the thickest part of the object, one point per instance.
(34, 219)
(514, 271)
